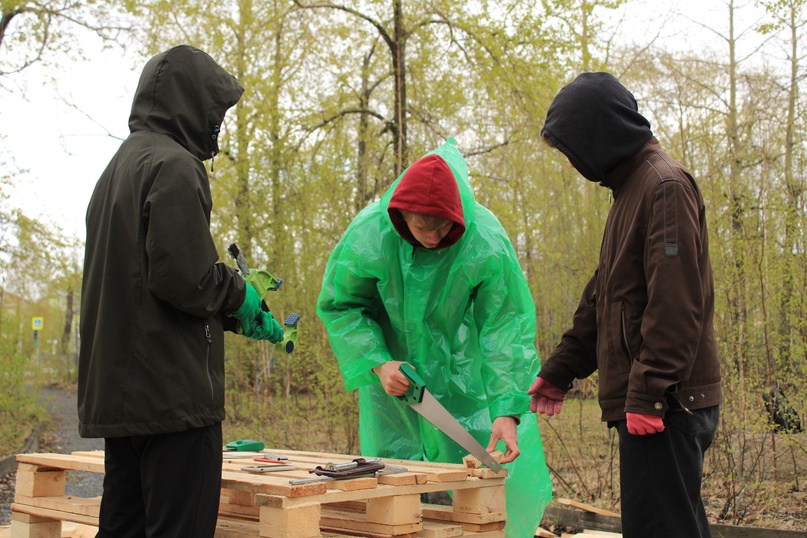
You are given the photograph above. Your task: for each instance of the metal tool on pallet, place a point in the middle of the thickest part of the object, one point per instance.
(289, 341)
(271, 458)
(358, 468)
(258, 469)
(422, 401)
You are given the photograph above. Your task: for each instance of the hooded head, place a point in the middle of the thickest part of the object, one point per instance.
(595, 122)
(428, 187)
(184, 93)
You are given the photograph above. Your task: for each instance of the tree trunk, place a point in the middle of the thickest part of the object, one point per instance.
(398, 47)
(67, 333)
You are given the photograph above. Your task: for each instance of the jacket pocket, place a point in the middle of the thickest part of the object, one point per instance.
(618, 337)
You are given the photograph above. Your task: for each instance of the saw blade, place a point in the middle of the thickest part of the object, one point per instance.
(433, 411)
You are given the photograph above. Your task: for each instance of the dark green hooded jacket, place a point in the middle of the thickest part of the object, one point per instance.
(153, 295)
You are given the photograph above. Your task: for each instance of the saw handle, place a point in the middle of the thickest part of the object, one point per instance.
(289, 341)
(416, 385)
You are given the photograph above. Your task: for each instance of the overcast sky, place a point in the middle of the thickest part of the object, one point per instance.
(62, 150)
(61, 135)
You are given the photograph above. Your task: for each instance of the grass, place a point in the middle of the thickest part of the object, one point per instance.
(751, 477)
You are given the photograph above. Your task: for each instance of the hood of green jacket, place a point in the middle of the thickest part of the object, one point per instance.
(436, 184)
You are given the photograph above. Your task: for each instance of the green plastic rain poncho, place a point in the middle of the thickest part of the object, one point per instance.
(460, 313)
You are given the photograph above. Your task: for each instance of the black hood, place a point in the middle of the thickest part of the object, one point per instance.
(595, 122)
(184, 93)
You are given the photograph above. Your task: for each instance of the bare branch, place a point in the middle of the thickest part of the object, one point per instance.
(330, 5)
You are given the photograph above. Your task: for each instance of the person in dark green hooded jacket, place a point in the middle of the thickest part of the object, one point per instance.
(428, 276)
(155, 303)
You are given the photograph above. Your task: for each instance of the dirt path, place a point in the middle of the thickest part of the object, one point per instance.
(62, 438)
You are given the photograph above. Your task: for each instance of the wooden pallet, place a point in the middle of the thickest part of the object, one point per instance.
(267, 505)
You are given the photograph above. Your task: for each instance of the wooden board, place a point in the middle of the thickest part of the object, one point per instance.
(586, 507)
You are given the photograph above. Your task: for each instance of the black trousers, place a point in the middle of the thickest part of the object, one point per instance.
(660, 476)
(165, 485)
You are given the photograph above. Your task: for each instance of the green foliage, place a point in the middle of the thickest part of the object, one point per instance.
(314, 140)
(40, 274)
(44, 31)
(291, 401)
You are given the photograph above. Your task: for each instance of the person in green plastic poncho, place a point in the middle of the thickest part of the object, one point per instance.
(426, 275)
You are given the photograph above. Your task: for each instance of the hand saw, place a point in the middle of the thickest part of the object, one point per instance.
(429, 408)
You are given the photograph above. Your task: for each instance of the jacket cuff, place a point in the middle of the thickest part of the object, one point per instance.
(510, 405)
(646, 404)
(358, 373)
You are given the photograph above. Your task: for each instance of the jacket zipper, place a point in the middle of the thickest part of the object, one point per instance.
(207, 358)
(625, 334)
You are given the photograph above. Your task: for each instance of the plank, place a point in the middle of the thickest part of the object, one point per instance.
(306, 464)
(443, 471)
(576, 519)
(67, 462)
(272, 485)
(586, 507)
(340, 533)
(439, 529)
(356, 521)
(235, 528)
(486, 534)
(445, 513)
(78, 506)
(54, 514)
(589, 534)
(333, 496)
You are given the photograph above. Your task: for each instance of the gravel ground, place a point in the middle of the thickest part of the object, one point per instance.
(61, 438)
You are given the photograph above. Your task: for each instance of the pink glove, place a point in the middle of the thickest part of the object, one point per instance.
(639, 424)
(546, 398)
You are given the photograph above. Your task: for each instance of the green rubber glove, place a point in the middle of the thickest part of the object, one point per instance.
(257, 323)
(250, 308)
(264, 327)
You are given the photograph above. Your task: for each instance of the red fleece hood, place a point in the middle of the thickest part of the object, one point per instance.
(428, 187)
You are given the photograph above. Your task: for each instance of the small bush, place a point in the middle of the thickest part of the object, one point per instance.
(19, 410)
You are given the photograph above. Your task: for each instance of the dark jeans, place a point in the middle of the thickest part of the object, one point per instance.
(660, 476)
(165, 485)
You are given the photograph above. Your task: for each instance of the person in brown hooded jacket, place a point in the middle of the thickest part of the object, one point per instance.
(644, 321)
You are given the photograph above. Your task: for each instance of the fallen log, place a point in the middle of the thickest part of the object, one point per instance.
(575, 520)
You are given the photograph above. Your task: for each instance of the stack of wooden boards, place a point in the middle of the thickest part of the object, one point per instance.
(272, 504)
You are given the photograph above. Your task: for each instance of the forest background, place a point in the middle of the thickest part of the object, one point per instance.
(342, 96)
